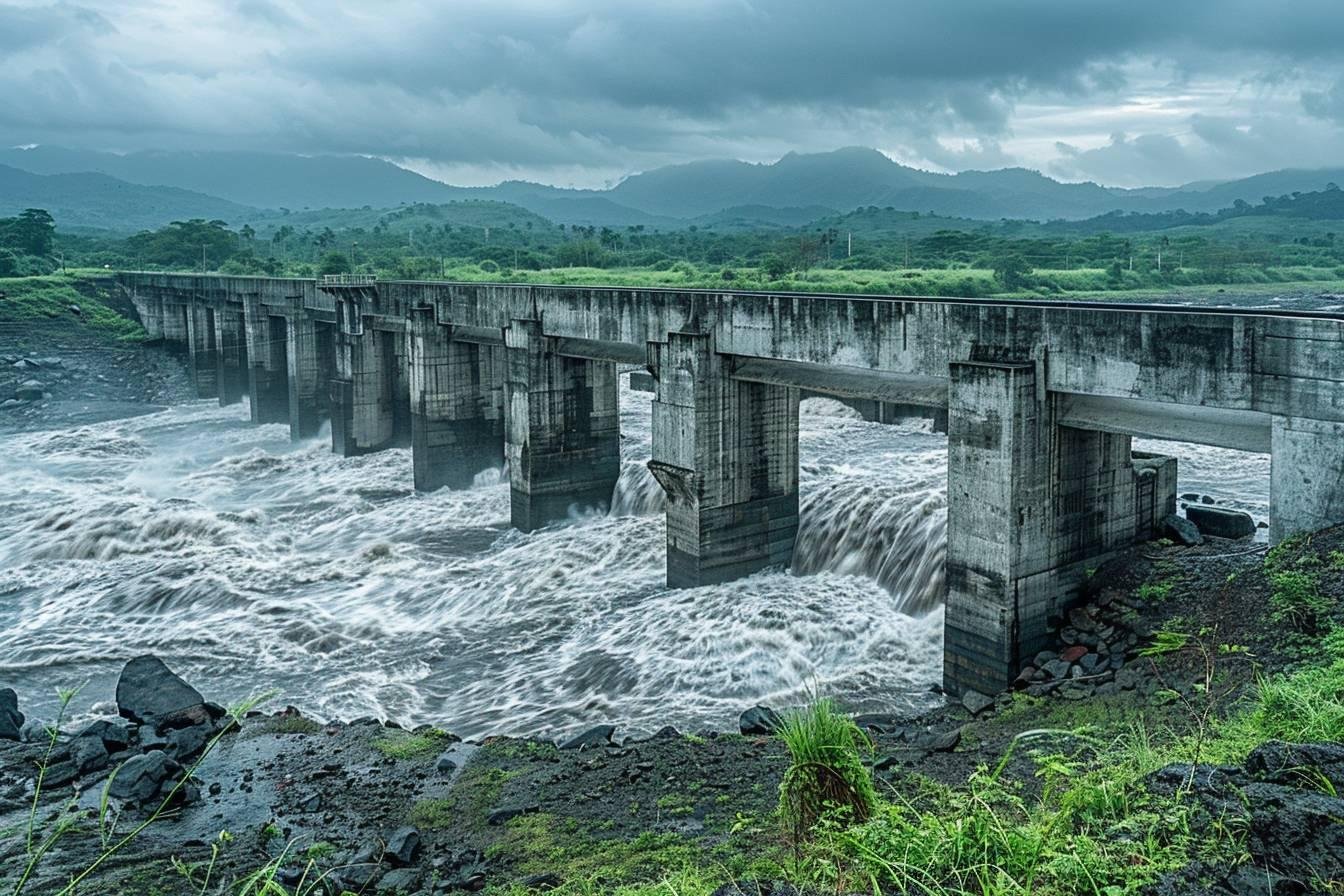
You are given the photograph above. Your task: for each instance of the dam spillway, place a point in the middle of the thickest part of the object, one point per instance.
(1042, 401)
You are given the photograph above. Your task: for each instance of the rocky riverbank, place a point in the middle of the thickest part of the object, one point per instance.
(1172, 639)
(70, 355)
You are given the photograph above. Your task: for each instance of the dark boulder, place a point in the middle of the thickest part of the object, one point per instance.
(1296, 832)
(759, 720)
(1221, 522)
(506, 814)
(140, 778)
(976, 702)
(88, 754)
(1181, 530)
(1298, 765)
(597, 736)
(116, 736)
(11, 720)
(149, 691)
(402, 846)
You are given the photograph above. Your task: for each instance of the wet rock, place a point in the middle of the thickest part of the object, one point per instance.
(1300, 765)
(1221, 522)
(60, 773)
(139, 779)
(1057, 668)
(11, 720)
(1073, 654)
(398, 881)
(116, 736)
(1181, 530)
(1076, 690)
(311, 803)
(1297, 832)
(595, 737)
(667, 732)
(759, 720)
(976, 702)
(148, 690)
(938, 742)
(34, 731)
(1088, 663)
(185, 743)
(402, 846)
(1024, 678)
(88, 754)
(30, 390)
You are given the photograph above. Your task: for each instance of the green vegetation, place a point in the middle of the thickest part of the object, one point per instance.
(412, 745)
(28, 299)
(1290, 239)
(1297, 601)
(827, 775)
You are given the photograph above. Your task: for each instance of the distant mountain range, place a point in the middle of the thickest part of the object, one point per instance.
(154, 187)
(97, 200)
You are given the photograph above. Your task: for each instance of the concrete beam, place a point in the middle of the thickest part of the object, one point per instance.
(726, 453)
(563, 429)
(845, 382)
(1240, 430)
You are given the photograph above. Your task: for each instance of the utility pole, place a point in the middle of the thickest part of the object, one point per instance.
(202, 258)
(849, 250)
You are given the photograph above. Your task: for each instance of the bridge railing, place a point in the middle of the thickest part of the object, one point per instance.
(348, 279)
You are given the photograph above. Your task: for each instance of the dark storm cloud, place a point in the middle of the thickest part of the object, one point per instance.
(613, 86)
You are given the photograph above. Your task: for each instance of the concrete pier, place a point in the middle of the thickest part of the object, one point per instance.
(202, 359)
(726, 454)
(457, 404)
(267, 362)
(1041, 399)
(231, 374)
(310, 366)
(563, 436)
(1031, 505)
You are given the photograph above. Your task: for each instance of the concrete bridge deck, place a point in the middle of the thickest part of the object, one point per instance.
(1042, 398)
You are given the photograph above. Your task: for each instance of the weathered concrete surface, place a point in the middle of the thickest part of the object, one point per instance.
(726, 454)
(563, 437)
(457, 404)
(1041, 400)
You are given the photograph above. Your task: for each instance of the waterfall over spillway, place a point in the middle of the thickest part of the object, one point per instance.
(249, 563)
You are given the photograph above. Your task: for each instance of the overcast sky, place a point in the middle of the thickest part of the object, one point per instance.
(582, 93)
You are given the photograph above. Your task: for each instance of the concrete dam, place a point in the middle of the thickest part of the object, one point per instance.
(1041, 399)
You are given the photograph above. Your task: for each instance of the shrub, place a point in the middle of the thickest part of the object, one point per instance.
(1297, 601)
(827, 774)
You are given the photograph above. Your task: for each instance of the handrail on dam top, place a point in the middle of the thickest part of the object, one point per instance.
(348, 279)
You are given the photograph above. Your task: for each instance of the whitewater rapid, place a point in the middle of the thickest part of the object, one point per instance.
(249, 564)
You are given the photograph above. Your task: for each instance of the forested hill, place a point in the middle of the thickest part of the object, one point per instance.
(665, 198)
(100, 201)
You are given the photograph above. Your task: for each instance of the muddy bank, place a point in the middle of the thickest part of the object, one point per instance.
(369, 807)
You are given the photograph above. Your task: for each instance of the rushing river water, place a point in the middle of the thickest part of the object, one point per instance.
(249, 563)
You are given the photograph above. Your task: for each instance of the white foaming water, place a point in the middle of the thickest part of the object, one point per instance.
(249, 563)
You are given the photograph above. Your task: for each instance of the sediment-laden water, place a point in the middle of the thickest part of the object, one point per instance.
(249, 563)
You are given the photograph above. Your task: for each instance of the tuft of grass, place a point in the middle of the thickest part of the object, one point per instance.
(827, 775)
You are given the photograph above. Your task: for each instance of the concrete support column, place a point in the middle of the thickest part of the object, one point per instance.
(999, 522)
(726, 454)
(267, 362)
(1031, 505)
(309, 377)
(202, 359)
(1306, 478)
(563, 430)
(150, 309)
(230, 355)
(370, 401)
(173, 321)
(456, 430)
